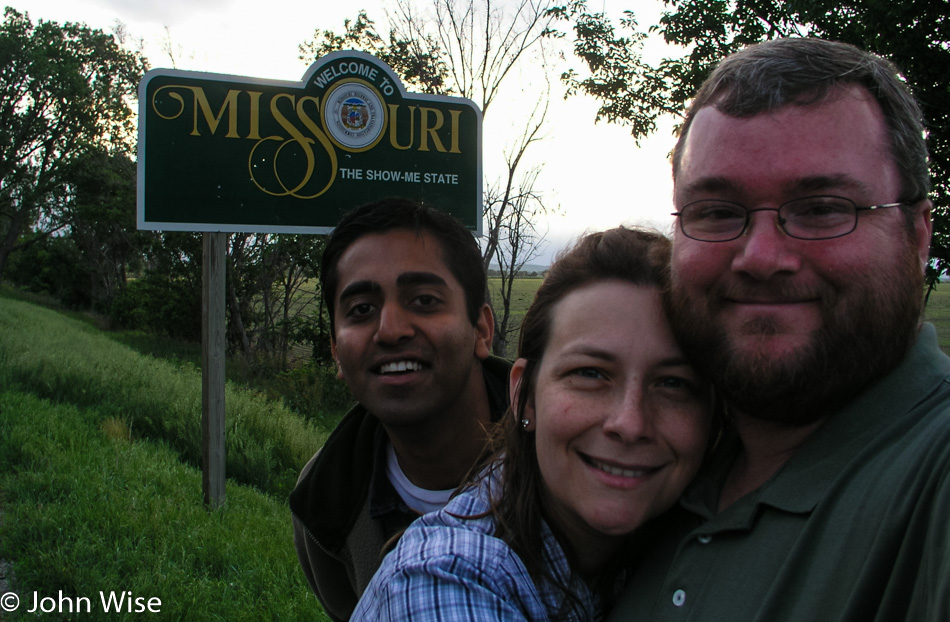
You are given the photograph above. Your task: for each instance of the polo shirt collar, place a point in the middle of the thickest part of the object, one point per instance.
(801, 483)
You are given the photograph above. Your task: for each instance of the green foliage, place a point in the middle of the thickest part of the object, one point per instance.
(276, 306)
(101, 220)
(314, 391)
(67, 361)
(913, 35)
(52, 266)
(159, 304)
(63, 89)
(630, 90)
(86, 510)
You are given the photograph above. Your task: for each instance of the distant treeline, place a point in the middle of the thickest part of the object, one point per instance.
(524, 274)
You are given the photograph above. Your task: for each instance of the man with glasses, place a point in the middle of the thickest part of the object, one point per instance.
(800, 182)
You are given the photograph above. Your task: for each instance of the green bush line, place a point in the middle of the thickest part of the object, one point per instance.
(87, 510)
(67, 361)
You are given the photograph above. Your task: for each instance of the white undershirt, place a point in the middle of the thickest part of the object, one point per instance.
(419, 499)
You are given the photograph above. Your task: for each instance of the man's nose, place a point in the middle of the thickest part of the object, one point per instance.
(765, 248)
(395, 324)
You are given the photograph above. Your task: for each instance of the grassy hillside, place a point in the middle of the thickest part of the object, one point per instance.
(86, 510)
(67, 361)
(99, 487)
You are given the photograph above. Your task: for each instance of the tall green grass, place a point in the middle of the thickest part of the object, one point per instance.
(86, 509)
(68, 361)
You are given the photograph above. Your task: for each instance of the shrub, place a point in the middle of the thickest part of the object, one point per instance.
(52, 266)
(159, 304)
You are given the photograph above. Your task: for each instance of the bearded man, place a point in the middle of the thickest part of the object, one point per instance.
(797, 281)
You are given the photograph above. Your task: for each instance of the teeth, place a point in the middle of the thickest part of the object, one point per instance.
(606, 468)
(399, 366)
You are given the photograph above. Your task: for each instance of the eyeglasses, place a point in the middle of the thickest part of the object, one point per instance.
(811, 218)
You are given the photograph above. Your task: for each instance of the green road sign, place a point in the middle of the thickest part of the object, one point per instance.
(230, 153)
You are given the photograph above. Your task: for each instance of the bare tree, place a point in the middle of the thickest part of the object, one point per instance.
(172, 50)
(481, 44)
(497, 207)
(479, 41)
(271, 306)
(520, 242)
(512, 209)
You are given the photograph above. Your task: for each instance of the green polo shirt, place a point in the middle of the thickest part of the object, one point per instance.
(856, 526)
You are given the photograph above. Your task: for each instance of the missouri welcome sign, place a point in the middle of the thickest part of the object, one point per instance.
(229, 153)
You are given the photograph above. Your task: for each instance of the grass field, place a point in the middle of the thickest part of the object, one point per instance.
(522, 293)
(938, 312)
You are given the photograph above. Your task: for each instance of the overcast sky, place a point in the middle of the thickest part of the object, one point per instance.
(593, 174)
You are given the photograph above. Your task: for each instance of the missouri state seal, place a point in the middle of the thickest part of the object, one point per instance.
(354, 115)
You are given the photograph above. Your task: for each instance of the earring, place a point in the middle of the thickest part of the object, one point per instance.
(525, 423)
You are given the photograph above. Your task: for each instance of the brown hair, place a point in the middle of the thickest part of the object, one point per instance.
(804, 71)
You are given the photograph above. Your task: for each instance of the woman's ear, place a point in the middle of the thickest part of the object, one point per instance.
(527, 419)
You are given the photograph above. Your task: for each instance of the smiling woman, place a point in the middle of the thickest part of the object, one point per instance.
(609, 423)
(617, 413)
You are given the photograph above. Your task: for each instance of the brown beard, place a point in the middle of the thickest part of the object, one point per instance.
(862, 337)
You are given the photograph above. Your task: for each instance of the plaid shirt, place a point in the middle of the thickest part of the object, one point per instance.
(450, 568)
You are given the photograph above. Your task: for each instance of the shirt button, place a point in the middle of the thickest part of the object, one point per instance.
(705, 539)
(679, 597)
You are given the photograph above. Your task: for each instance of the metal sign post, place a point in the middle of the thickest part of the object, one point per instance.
(213, 351)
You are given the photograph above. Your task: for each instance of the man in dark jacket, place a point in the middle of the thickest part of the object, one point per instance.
(411, 335)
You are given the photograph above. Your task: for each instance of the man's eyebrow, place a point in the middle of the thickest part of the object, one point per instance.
(813, 183)
(706, 185)
(419, 278)
(357, 288)
(825, 183)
